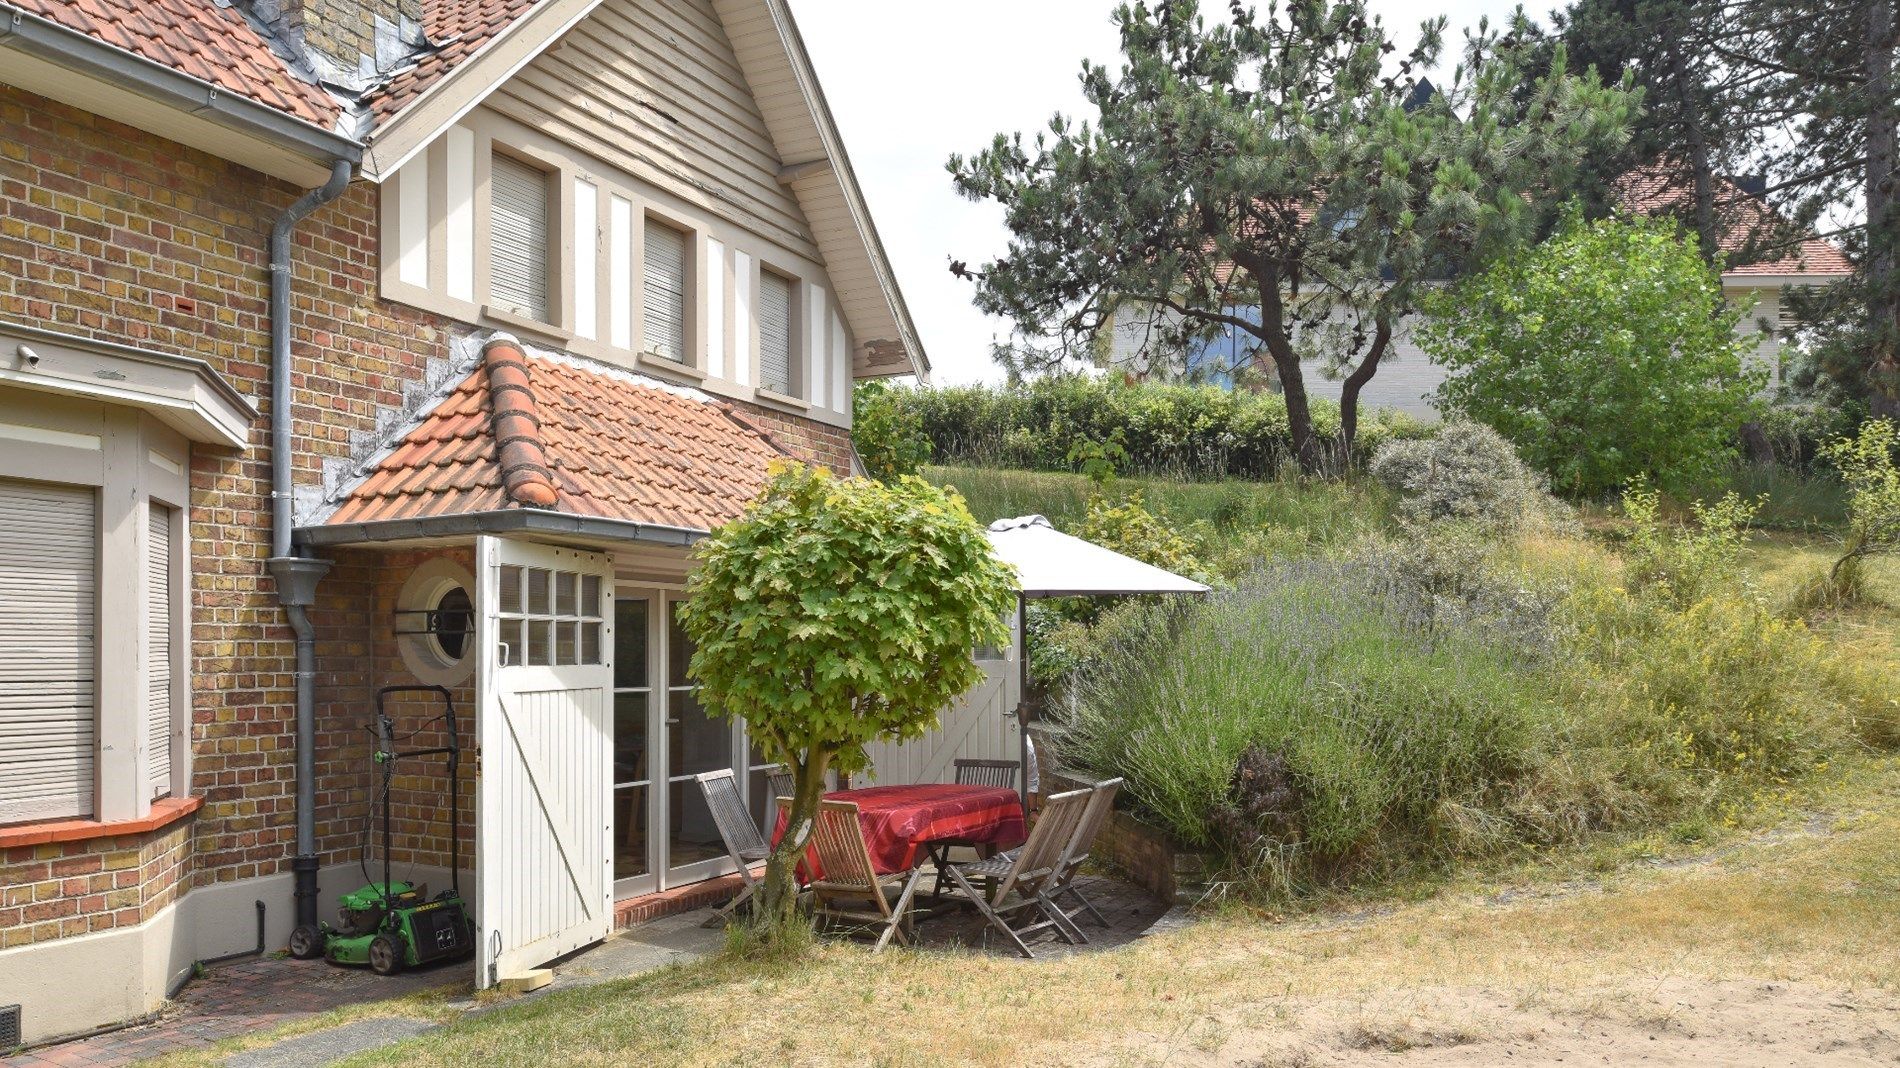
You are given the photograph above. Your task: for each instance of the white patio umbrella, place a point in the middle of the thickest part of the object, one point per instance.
(1050, 563)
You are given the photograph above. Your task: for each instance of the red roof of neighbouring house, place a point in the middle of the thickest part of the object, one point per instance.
(1648, 191)
(459, 29)
(608, 443)
(212, 43)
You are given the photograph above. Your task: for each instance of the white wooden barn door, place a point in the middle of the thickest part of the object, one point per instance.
(980, 725)
(544, 862)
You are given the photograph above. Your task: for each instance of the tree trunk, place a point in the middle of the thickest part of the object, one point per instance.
(1349, 391)
(1286, 364)
(1701, 171)
(1883, 233)
(778, 891)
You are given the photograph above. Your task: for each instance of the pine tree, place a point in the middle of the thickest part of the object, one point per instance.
(1286, 162)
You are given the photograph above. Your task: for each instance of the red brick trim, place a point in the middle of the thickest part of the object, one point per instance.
(164, 811)
(632, 910)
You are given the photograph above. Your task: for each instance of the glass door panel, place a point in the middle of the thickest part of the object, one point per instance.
(695, 742)
(633, 760)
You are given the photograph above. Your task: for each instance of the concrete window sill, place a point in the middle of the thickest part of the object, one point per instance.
(165, 811)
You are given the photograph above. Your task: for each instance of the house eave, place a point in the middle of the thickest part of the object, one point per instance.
(181, 391)
(518, 522)
(266, 138)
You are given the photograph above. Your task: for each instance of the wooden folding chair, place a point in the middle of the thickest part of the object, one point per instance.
(847, 875)
(1094, 818)
(1022, 875)
(744, 844)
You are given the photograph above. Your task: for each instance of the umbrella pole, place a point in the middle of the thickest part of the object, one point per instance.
(1022, 692)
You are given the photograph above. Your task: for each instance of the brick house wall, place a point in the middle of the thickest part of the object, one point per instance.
(113, 233)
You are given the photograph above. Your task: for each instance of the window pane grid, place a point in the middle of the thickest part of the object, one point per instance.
(543, 622)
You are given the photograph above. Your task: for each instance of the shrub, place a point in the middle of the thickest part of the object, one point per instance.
(889, 437)
(1606, 352)
(1866, 464)
(1128, 527)
(1377, 725)
(1685, 563)
(837, 612)
(1180, 431)
(1466, 471)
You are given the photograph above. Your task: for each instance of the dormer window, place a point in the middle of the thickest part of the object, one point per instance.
(664, 292)
(518, 248)
(775, 333)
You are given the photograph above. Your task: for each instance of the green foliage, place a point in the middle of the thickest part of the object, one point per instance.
(1685, 564)
(1379, 727)
(1187, 196)
(1464, 472)
(1183, 432)
(1605, 353)
(1128, 527)
(1866, 464)
(889, 437)
(1421, 702)
(837, 612)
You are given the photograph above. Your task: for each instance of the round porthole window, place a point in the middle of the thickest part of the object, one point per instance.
(451, 623)
(435, 623)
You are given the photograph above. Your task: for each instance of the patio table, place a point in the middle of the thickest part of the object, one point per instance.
(900, 821)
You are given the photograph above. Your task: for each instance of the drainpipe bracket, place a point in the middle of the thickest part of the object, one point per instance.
(297, 578)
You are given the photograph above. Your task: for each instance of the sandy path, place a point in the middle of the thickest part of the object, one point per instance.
(1662, 1022)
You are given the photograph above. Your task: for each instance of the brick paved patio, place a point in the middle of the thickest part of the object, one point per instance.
(239, 998)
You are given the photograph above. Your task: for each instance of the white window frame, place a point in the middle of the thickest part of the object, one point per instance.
(132, 462)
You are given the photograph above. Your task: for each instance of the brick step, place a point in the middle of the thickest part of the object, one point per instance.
(708, 894)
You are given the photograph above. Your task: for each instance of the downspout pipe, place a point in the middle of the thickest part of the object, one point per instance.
(296, 575)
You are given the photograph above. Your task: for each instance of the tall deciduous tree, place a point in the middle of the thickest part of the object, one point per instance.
(1287, 163)
(838, 612)
(1603, 354)
(1803, 94)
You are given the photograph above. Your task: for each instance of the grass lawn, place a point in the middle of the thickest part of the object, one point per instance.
(1801, 921)
(1325, 512)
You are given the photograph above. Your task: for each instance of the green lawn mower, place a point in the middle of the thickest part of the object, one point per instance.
(391, 925)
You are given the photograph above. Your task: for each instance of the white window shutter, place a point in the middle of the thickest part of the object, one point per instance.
(48, 640)
(775, 333)
(664, 291)
(518, 238)
(160, 593)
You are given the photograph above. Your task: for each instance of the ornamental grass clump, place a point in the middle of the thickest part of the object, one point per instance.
(1374, 725)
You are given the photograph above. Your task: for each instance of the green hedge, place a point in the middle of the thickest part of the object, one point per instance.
(1190, 432)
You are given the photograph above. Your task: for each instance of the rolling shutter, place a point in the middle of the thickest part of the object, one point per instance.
(518, 242)
(665, 291)
(48, 615)
(775, 333)
(159, 592)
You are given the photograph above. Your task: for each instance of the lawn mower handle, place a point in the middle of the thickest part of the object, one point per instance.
(386, 739)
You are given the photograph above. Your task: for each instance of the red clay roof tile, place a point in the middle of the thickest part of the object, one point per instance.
(1648, 191)
(198, 37)
(459, 29)
(615, 446)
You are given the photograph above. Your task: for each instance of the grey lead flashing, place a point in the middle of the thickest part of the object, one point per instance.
(508, 521)
(94, 58)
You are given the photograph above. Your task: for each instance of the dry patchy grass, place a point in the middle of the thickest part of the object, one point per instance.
(1814, 909)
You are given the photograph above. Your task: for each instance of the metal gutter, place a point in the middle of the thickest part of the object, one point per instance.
(93, 58)
(509, 521)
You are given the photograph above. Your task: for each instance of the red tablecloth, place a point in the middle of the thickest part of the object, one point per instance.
(899, 821)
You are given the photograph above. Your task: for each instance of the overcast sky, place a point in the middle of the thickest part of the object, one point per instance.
(910, 83)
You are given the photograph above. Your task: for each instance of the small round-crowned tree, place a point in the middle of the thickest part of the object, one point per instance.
(834, 613)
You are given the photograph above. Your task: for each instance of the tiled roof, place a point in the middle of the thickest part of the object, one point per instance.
(197, 37)
(458, 29)
(1649, 191)
(612, 444)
